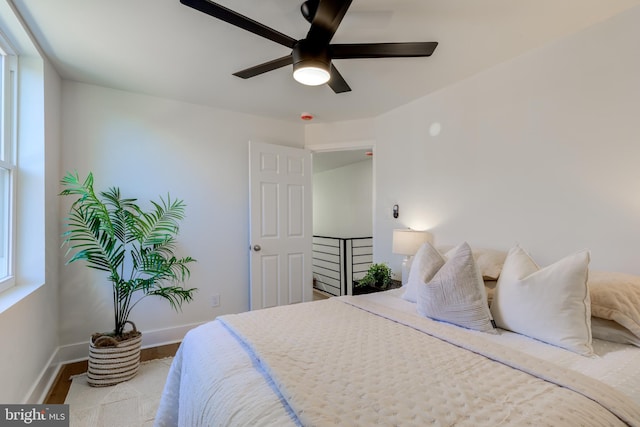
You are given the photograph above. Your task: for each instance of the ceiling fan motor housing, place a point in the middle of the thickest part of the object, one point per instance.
(307, 54)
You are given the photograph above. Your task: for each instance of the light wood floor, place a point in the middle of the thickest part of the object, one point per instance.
(318, 295)
(62, 383)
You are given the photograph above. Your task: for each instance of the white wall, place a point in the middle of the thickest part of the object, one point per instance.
(342, 201)
(149, 146)
(341, 135)
(29, 311)
(542, 150)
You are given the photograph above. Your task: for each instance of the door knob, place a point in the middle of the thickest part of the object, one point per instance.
(257, 248)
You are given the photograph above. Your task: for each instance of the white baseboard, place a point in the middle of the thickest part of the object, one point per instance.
(79, 351)
(41, 387)
(71, 353)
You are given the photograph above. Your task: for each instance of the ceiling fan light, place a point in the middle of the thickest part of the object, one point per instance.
(312, 75)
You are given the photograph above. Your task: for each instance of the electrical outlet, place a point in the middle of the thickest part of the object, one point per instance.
(215, 300)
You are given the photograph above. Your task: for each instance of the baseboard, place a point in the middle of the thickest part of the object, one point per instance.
(40, 388)
(79, 351)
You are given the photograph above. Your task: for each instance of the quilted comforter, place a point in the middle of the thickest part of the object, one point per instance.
(353, 361)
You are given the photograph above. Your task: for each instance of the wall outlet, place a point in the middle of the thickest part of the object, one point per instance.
(215, 300)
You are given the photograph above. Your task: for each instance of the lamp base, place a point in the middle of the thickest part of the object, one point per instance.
(406, 267)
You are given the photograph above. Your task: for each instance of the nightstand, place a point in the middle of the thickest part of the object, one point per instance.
(360, 290)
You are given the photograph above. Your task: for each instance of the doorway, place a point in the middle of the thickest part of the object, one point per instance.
(343, 193)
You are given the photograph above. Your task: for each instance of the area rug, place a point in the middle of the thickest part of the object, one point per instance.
(128, 404)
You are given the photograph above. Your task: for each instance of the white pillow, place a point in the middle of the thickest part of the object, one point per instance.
(456, 293)
(426, 263)
(608, 330)
(550, 304)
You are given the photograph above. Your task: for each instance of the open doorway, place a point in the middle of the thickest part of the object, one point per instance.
(342, 219)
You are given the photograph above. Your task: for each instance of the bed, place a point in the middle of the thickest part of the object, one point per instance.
(377, 359)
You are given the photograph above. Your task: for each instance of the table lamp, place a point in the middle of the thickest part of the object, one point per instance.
(407, 242)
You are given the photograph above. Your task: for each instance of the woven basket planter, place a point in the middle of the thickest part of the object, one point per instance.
(116, 363)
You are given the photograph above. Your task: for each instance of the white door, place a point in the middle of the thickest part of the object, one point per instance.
(280, 225)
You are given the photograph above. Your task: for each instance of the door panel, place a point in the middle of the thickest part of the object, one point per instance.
(269, 210)
(296, 275)
(280, 225)
(295, 214)
(269, 282)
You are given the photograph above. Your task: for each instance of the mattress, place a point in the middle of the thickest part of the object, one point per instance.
(372, 359)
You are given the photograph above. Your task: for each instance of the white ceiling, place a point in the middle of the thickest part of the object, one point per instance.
(165, 49)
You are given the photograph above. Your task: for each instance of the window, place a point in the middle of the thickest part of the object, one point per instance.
(8, 85)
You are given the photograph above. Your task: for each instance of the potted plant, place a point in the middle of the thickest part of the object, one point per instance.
(136, 250)
(378, 276)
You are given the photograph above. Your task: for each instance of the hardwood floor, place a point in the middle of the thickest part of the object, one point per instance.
(318, 295)
(62, 383)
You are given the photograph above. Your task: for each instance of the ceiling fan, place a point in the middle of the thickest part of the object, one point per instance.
(311, 57)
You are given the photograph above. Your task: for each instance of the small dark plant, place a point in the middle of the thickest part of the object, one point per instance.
(378, 275)
(135, 248)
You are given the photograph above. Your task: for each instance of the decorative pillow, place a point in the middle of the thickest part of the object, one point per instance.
(426, 263)
(488, 261)
(456, 293)
(550, 304)
(616, 296)
(608, 330)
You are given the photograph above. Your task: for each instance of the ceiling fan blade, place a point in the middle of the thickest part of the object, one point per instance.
(241, 21)
(327, 20)
(381, 50)
(264, 67)
(337, 82)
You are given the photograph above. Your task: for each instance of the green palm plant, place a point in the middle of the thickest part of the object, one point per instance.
(135, 248)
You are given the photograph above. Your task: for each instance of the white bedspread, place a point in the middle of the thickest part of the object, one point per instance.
(369, 370)
(617, 365)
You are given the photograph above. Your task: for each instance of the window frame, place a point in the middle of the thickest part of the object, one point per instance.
(8, 155)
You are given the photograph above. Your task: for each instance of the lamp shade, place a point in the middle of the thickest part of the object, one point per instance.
(407, 241)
